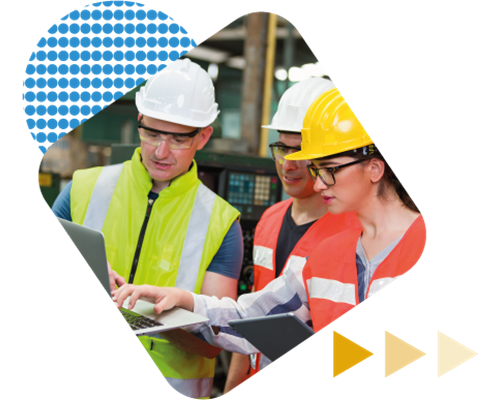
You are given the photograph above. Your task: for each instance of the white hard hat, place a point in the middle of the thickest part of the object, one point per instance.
(181, 93)
(294, 103)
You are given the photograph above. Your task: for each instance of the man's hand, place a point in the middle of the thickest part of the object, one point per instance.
(115, 279)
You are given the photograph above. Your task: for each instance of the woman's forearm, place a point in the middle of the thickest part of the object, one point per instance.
(185, 300)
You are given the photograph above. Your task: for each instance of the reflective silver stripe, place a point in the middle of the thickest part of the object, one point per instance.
(195, 239)
(263, 256)
(378, 284)
(195, 388)
(329, 289)
(295, 261)
(101, 196)
(253, 360)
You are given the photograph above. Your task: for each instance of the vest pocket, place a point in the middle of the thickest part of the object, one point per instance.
(176, 363)
(167, 255)
(162, 270)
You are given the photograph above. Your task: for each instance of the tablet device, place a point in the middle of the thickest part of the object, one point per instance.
(273, 335)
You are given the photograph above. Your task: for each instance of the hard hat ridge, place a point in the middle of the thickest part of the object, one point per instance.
(295, 102)
(331, 128)
(182, 93)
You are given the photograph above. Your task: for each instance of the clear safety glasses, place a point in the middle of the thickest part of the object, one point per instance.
(279, 151)
(327, 174)
(175, 141)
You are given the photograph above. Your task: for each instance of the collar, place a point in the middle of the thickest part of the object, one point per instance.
(178, 185)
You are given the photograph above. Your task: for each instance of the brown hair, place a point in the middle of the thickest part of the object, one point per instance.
(389, 178)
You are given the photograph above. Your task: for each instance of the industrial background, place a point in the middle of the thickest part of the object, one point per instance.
(251, 62)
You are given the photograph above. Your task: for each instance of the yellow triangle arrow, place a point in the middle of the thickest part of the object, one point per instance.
(346, 354)
(451, 354)
(398, 354)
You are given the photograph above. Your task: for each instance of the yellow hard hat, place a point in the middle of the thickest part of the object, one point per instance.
(330, 127)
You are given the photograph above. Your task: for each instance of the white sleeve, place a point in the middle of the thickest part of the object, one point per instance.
(285, 294)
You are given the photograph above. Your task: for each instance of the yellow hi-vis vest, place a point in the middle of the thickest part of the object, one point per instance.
(186, 227)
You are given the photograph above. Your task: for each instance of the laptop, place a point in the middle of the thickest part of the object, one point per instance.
(142, 318)
(273, 335)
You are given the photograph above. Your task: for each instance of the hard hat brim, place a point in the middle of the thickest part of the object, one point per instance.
(176, 119)
(281, 128)
(302, 155)
(368, 149)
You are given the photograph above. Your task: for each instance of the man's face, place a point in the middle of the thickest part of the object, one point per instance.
(293, 174)
(163, 163)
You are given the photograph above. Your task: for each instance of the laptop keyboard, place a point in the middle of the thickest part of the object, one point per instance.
(137, 321)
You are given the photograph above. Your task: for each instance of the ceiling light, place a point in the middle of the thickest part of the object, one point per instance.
(313, 70)
(296, 74)
(281, 74)
(213, 71)
(236, 62)
(208, 54)
(321, 70)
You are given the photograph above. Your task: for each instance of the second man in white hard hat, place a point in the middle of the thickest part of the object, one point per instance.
(289, 231)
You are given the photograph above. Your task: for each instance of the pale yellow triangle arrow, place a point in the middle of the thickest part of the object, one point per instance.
(398, 354)
(451, 354)
(346, 354)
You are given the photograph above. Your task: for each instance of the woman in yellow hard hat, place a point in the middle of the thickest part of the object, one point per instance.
(351, 175)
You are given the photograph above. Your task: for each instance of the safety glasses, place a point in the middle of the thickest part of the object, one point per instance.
(279, 151)
(327, 174)
(174, 140)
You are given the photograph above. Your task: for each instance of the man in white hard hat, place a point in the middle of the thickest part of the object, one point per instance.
(288, 231)
(162, 225)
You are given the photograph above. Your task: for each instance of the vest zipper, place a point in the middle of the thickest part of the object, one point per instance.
(139, 243)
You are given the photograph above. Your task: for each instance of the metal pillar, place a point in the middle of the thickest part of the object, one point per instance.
(253, 79)
(288, 52)
(268, 84)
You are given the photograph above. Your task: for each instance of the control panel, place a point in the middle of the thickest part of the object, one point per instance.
(252, 193)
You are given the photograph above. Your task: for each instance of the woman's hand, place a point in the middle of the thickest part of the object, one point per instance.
(164, 298)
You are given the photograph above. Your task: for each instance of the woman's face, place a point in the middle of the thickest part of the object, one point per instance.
(353, 186)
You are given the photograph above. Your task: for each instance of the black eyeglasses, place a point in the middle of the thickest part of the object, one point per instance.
(327, 174)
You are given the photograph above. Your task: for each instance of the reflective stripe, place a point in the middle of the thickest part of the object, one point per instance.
(263, 256)
(296, 262)
(194, 388)
(329, 289)
(194, 241)
(101, 196)
(379, 284)
(253, 360)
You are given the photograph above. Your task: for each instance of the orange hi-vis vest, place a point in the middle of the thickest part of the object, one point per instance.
(266, 240)
(331, 275)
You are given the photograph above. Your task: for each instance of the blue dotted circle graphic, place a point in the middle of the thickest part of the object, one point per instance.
(91, 58)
